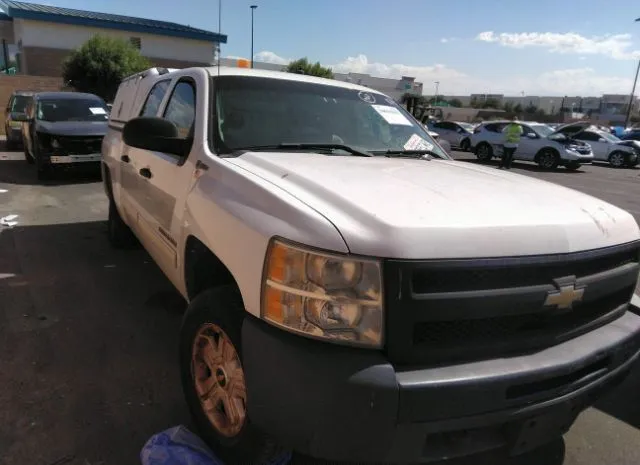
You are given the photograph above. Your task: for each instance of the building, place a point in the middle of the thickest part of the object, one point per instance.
(394, 88)
(611, 107)
(37, 38)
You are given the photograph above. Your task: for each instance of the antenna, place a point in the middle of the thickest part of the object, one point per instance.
(219, 32)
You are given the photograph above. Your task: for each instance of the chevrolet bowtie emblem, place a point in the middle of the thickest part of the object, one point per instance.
(565, 296)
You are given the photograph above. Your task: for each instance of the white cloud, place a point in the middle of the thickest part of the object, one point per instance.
(616, 46)
(575, 81)
(270, 57)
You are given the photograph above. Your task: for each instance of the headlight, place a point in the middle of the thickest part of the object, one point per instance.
(323, 296)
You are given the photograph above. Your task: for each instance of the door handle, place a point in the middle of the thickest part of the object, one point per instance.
(125, 158)
(145, 172)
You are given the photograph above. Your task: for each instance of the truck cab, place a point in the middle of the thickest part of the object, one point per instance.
(352, 292)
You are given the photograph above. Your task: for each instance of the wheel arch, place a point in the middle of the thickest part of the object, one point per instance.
(203, 269)
(547, 147)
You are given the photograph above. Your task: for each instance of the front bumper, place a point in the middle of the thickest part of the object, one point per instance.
(571, 156)
(340, 403)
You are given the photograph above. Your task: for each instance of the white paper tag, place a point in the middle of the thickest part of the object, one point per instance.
(392, 115)
(97, 111)
(416, 142)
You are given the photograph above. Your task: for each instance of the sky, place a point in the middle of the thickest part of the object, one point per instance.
(538, 47)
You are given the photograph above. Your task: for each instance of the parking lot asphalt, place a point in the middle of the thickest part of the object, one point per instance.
(88, 335)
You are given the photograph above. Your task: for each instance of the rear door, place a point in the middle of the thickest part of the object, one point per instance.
(164, 179)
(131, 159)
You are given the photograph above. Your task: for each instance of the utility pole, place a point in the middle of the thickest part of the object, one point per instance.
(253, 8)
(633, 91)
(437, 83)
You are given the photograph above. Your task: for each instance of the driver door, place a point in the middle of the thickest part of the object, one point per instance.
(529, 144)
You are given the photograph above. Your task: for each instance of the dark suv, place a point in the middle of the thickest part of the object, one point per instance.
(14, 116)
(64, 129)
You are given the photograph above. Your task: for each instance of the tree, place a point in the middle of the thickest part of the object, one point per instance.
(454, 102)
(531, 109)
(491, 103)
(303, 66)
(508, 106)
(517, 108)
(100, 64)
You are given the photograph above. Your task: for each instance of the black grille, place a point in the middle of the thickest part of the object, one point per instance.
(464, 310)
(81, 145)
(497, 274)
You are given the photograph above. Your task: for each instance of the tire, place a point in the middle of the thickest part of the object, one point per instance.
(617, 159)
(120, 235)
(214, 315)
(44, 172)
(484, 152)
(465, 145)
(548, 159)
(572, 166)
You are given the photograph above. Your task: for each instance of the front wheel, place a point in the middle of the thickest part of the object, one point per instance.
(484, 152)
(548, 159)
(213, 377)
(617, 159)
(465, 144)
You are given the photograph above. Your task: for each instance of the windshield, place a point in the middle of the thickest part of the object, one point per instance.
(19, 103)
(542, 129)
(55, 110)
(468, 126)
(610, 137)
(257, 111)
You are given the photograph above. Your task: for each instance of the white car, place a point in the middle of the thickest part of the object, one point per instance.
(346, 299)
(539, 143)
(606, 147)
(458, 134)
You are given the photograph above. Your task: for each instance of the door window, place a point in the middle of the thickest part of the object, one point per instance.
(181, 108)
(154, 99)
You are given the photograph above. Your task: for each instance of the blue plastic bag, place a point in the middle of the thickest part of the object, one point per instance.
(179, 446)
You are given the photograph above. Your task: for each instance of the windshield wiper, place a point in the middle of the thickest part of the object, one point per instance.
(421, 153)
(310, 146)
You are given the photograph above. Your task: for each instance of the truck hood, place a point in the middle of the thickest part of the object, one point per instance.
(417, 209)
(73, 128)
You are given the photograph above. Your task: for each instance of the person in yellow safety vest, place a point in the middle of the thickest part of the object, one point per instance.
(512, 133)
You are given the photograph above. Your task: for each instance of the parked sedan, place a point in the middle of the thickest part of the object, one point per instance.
(458, 134)
(64, 129)
(605, 146)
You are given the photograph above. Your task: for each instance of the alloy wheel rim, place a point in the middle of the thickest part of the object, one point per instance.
(219, 380)
(616, 159)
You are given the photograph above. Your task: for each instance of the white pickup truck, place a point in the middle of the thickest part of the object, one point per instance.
(355, 294)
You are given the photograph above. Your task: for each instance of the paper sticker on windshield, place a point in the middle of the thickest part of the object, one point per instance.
(416, 142)
(392, 115)
(366, 97)
(97, 111)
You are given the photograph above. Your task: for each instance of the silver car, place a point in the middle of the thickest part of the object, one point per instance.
(458, 134)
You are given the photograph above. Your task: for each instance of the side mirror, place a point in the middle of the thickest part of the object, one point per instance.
(21, 117)
(155, 134)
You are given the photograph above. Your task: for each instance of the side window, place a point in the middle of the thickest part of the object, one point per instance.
(527, 130)
(154, 99)
(449, 126)
(181, 108)
(439, 125)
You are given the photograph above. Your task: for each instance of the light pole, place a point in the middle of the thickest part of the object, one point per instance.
(253, 8)
(633, 91)
(435, 100)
